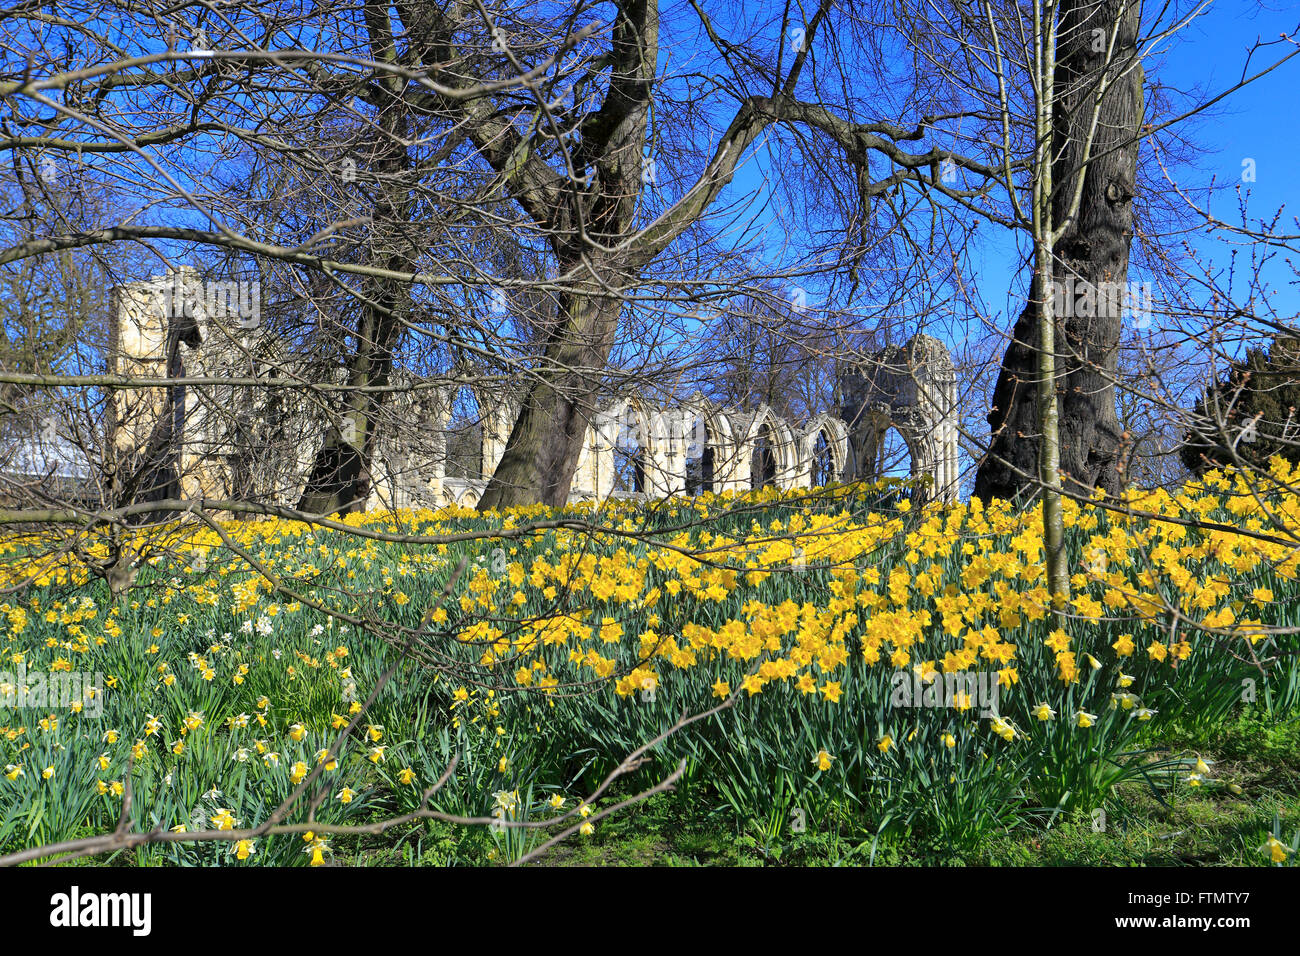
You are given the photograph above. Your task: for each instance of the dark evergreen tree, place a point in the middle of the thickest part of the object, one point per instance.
(1251, 414)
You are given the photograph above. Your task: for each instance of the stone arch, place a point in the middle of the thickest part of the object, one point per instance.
(880, 456)
(426, 437)
(499, 407)
(665, 463)
(710, 459)
(459, 429)
(465, 428)
(768, 454)
(467, 496)
(629, 429)
(912, 388)
(823, 451)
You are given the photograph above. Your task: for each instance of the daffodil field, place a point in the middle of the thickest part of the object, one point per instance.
(829, 623)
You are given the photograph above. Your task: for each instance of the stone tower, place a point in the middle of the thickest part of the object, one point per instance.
(177, 441)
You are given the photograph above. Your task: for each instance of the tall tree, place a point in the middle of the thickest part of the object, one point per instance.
(596, 243)
(340, 477)
(1097, 115)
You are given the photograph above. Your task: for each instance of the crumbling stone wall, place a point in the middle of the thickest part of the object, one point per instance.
(250, 443)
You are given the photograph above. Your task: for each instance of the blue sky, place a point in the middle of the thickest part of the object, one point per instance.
(1260, 122)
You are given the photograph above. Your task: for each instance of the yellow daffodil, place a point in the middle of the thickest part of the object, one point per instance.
(1277, 850)
(223, 819)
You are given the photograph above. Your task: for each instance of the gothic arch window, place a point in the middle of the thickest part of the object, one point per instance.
(701, 458)
(824, 470)
(629, 453)
(894, 458)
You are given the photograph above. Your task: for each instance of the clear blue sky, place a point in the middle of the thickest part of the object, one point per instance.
(1260, 122)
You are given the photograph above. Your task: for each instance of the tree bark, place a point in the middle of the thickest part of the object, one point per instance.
(1045, 237)
(1093, 249)
(546, 440)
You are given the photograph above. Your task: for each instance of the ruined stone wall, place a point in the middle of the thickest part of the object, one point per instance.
(912, 388)
(258, 444)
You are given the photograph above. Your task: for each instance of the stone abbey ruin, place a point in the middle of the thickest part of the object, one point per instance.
(230, 438)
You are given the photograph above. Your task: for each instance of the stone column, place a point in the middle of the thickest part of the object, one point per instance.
(604, 428)
(138, 344)
(437, 430)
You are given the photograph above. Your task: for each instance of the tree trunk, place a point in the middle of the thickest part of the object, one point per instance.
(1093, 250)
(340, 479)
(1044, 233)
(542, 452)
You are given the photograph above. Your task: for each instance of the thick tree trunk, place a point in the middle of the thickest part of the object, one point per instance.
(542, 452)
(1093, 251)
(340, 477)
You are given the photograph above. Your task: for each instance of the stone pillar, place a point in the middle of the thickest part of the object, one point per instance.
(730, 455)
(604, 433)
(742, 457)
(584, 476)
(436, 428)
(803, 467)
(785, 448)
(138, 349)
(657, 453)
(672, 436)
(384, 486)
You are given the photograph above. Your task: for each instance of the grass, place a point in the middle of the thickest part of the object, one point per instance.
(1190, 826)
